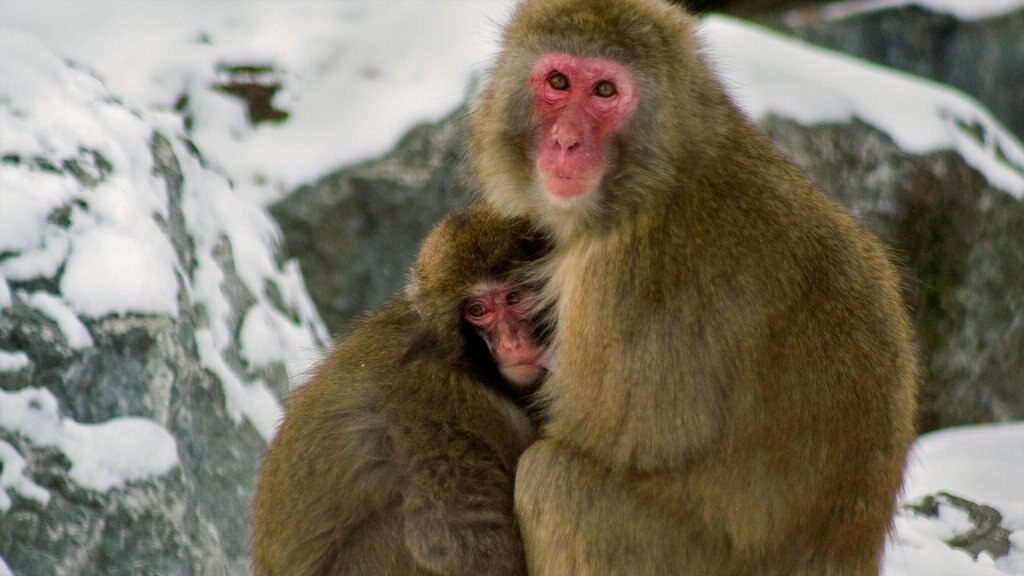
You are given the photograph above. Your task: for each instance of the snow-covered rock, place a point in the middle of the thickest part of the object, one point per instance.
(974, 45)
(147, 326)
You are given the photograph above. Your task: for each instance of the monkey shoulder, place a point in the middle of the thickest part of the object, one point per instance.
(417, 389)
(337, 424)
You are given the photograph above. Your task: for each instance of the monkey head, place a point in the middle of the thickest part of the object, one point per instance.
(467, 283)
(592, 107)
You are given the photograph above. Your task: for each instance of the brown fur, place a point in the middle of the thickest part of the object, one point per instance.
(734, 378)
(398, 456)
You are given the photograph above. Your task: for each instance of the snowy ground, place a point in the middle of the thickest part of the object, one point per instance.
(357, 74)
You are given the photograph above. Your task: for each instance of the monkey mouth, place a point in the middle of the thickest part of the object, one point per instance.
(569, 186)
(538, 361)
(522, 373)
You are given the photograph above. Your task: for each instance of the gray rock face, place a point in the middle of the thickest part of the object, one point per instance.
(132, 426)
(357, 232)
(984, 58)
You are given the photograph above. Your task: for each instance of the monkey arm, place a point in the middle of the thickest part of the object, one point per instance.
(458, 505)
(561, 493)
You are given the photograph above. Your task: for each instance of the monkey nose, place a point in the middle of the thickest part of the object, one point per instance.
(566, 138)
(509, 341)
(567, 143)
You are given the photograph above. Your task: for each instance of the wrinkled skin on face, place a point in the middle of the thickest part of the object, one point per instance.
(582, 102)
(499, 315)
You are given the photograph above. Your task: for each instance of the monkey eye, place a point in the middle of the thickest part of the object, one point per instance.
(604, 89)
(476, 309)
(558, 81)
(514, 297)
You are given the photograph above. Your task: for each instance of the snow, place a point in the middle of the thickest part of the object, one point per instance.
(966, 10)
(75, 333)
(769, 73)
(267, 336)
(103, 456)
(351, 91)
(12, 478)
(22, 216)
(118, 270)
(253, 400)
(983, 464)
(355, 76)
(106, 230)
(116, 257)
(13, 361)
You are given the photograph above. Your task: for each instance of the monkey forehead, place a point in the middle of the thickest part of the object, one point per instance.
(472, 245)
(633, 32)
(495, 287)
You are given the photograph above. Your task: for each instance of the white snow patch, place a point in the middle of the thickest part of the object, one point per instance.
(75, 332)
(253, 401)
(5, 570)
(115, 452)
(267, 336)
(984, 464)
(117, 258)
(103, 456)
(41, 263)
(966, 10)
(770, 73)
(13, 361)
(918, 550)
(28, 198)
(12, 477)
(119, 271)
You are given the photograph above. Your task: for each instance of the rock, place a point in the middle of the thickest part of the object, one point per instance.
(984, 58)
(746, 8)
(146, 323)
(356, 232)
(985, 532)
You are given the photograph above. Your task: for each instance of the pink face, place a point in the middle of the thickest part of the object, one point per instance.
(499, 315)
(582, 102)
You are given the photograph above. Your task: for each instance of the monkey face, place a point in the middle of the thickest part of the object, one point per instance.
(499, 314)
(580, 102)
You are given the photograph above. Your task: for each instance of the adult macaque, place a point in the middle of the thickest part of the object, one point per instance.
(398, 456)
(733, 384)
